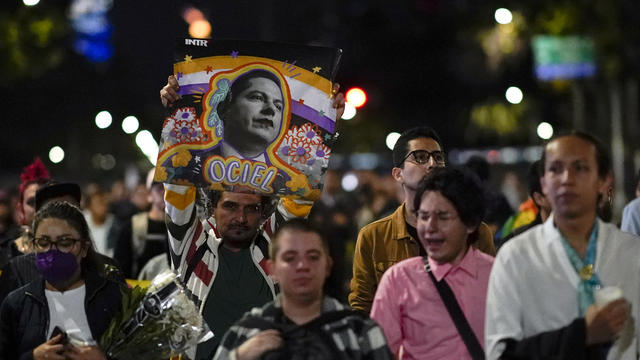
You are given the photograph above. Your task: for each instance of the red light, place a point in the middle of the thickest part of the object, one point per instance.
(356, 97)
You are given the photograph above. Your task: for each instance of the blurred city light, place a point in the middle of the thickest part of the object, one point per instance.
(349, 182)
(545, 130)
(130, 124)
(56, 154)
(191, 14)
(108, 162)
(92, 29)
(349, 111)
(356, 97)
(103, 119)
(31, 2)
(514, 95)
(503, 16)
(392, 137)
(364, 161)
(509, 155)
(200, 29)
(199, 26)
(103, 162)
(147, 145)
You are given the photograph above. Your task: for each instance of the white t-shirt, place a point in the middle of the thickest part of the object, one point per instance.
(66, 310)
(99, 233)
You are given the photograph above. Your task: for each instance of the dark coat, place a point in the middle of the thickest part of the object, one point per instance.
(24, 314)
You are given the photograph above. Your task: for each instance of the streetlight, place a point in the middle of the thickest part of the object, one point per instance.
(503, 16)
(514, 95)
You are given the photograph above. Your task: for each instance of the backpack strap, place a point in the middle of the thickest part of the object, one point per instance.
(453, 308)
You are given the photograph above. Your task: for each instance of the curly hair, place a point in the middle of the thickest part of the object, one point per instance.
(34, 173)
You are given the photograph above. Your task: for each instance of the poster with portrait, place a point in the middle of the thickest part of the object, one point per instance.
(252, 115)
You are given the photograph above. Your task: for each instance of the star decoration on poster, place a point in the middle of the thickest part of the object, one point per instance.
(294, 163)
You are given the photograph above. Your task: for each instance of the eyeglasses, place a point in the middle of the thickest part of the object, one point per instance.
(422, 156)
(62, 243)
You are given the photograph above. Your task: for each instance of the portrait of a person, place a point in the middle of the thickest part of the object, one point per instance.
(252, 115)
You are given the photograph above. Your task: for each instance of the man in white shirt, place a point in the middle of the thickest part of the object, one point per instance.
(540, 302)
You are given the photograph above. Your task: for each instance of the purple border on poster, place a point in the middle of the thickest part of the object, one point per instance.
(312, 115)
(193, 89)
(301, 110)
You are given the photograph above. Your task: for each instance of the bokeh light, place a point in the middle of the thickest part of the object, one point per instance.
(56, 154)
(130, 124)
(391, 140)
(200, 29)
(30, 2)
(544, 130)
(349, 111)
(147, 145)
(514, 95)
(503, 16)
(356, 97)
(349, 182)
(103, 119)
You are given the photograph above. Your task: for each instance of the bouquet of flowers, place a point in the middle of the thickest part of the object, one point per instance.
(158, 324)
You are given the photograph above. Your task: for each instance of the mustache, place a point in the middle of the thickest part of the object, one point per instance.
(239, 226)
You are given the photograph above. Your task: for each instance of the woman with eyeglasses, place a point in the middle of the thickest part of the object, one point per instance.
(63, 312)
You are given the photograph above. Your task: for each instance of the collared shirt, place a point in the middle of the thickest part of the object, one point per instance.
(384, 243)
(533, 287)
(413, 316)
(228, 150)
(631, 217)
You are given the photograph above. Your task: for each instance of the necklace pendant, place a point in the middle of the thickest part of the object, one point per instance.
(586, 272)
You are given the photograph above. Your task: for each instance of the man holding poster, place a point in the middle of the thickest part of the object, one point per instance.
(231, 120)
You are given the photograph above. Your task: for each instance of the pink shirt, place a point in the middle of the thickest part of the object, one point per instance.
(415, 321)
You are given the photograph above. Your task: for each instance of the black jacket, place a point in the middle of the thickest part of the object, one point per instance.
(24, 314)
(22, 269)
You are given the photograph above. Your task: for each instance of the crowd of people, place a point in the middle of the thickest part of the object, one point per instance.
(408, 266)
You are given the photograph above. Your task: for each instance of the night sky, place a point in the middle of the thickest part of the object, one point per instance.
(420, 61)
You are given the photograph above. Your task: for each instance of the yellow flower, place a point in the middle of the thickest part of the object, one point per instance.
(161, 173)
(182, 158)
(297, 182)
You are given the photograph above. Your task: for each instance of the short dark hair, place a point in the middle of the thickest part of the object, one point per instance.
(603, 159)
(208, 199)
(295, 224)
(461, 187)
(242, 83)
(401, 148)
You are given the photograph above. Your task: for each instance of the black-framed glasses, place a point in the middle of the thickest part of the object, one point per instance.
(423, 156)
(62, 243)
